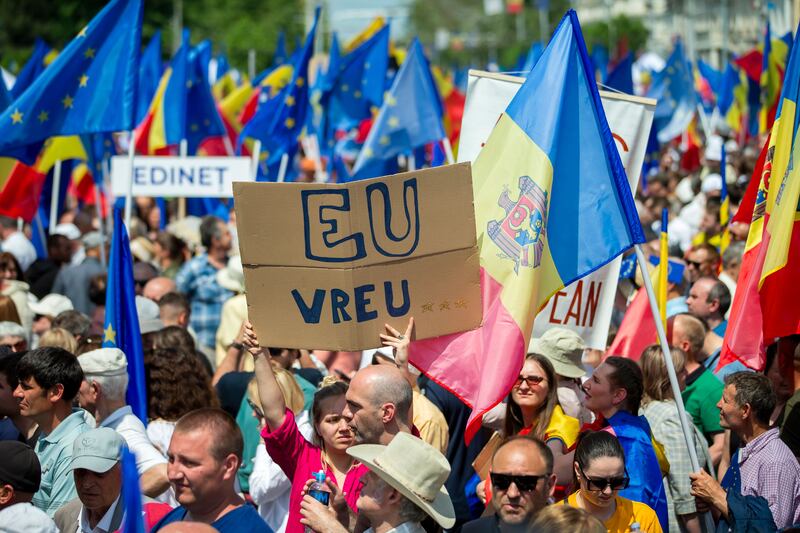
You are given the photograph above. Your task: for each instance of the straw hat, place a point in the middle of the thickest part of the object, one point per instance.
(415, 469)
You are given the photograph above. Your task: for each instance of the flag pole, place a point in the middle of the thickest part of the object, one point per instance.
(55, 194)
(256, 155)
(448, 149)
(412, 162)
(183, 150)
(282, 168)
(673, 377)
(129, 192)
(99, 207)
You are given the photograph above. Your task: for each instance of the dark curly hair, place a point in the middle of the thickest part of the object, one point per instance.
(177, 383)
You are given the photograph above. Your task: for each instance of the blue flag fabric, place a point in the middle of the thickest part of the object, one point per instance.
(729, 80)
(281, 56)
(5, 95)
(131, 494)
(121, 321)
(149, 75)
(621, 77)
(222, 67)
(673, 87)
(89, 88)
(202, 117)
(360, 82)
(599, 60)
(31, 69)
(712, 76)
(176, 95)
(279, 121)
(532, 57)
(410, 116)
(99, 148)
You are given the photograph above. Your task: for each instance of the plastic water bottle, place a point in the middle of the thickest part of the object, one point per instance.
(636, 528)
(319, 491)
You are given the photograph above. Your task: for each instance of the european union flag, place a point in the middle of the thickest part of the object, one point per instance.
(131, 493)
(5, 95)
(621, 77)
(149, 76)
(202, 117)
(121, 321)
(361, 81)
(673, 87)
(279, 121)
(409, 118)
(99, 148)
(89, 88)
(173, 106)
(31, 69)
(281, 56)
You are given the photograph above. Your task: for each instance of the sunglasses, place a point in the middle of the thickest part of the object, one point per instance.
(600, 484)
(529, 380)
(523, 483)
(696, 264)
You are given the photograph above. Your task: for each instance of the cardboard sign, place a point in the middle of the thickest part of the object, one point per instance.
(584, 306)
(327, 265)
(179, 177)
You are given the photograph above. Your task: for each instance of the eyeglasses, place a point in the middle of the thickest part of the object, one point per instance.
(696, 264)
(600, 484)
(529, 380)
(523, 483)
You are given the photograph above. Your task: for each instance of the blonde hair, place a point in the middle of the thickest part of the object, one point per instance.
(657, 387)
(566, 519)
(60, 338)
(292, 393)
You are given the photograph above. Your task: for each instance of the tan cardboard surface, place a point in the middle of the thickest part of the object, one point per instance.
(324, 269)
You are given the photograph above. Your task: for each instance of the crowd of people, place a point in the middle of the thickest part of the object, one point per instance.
(237, 433)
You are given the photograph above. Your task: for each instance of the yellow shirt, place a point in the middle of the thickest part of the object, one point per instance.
(430, 422)
(627, 513)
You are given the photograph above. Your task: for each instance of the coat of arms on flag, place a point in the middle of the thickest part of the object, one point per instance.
(520, 235)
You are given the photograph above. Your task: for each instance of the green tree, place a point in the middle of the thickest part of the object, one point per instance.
(622, 27)
(234, 26)
(476, 38)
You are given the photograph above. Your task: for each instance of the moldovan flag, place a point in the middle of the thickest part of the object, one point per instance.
(552, 204)
(767, 300)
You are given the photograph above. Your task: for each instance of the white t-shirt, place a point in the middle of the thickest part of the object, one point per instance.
(269, 486)
(124, 422)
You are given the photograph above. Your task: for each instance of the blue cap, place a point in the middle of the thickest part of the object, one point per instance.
(319, 477)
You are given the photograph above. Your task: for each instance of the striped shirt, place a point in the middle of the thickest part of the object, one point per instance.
(770, 470)
(197, 280)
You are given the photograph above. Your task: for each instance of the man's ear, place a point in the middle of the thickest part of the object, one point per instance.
(55, 393)
(6, 494)
(388, 412)
(231, 466)
(619, 396)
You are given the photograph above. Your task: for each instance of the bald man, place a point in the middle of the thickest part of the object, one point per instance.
(378, 404)
(703, 389)
(158, 287)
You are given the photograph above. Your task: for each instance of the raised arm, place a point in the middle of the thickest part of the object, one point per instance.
(272, 403)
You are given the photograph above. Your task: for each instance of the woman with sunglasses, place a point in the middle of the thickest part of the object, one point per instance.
(297, 457)
(533, 409)
(614, 395)
(600, 474)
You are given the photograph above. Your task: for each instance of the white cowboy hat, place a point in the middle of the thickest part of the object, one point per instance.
(415, 469)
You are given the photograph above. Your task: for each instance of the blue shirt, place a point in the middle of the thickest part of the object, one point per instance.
(197, 280)
(55, 455)
(721, 327)
(244, 518)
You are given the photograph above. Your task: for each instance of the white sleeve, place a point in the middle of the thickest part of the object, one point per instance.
(267, 481)
(147, 455)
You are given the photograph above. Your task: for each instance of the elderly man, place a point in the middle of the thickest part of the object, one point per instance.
(522, 482)
(158, 287)
(20, 476)
(14, 336)
(404, 485)
(765, 467)
(49, 379)
(102, 393)
(204, 455)
(97, 470)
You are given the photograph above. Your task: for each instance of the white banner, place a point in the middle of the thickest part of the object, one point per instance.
(179, 177)
(585, 306)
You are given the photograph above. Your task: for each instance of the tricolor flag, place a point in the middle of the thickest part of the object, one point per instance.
(724, 205)
(552, 204)
(767, 300)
